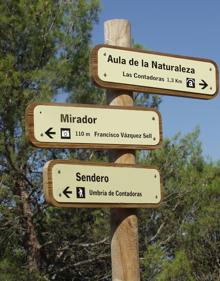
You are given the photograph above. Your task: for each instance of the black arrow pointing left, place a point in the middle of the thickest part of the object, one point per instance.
(203, 84)
(49, 133)
(66, 192)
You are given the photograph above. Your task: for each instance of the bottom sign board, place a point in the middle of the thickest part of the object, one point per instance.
(69, 183)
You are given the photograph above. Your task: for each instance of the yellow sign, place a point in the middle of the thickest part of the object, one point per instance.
(81, 184)
(137, 70)
(63, 125)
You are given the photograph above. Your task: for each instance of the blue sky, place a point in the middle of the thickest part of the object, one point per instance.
(190, 28)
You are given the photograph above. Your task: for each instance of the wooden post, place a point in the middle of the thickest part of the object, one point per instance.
(124, 225)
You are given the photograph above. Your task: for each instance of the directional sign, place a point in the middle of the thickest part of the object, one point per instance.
(83, 184)
(70, 125)
(152, 72)
(67, 192)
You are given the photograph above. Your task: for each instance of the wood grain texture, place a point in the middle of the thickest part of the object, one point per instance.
(29, 124)
(125, 262)
(48, 185)
(149, 90)
(124, 222)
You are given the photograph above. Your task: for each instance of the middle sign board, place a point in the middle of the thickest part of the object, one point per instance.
(51, 125)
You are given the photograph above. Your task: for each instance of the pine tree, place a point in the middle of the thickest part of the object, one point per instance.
(44, 51)
(179, 241)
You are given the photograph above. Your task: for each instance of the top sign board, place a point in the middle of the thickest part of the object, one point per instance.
(136, 70)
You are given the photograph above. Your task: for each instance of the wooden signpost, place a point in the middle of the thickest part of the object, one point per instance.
(73, 125)
(152, 72)
(124, 222)
(120, 185)
(86, 184)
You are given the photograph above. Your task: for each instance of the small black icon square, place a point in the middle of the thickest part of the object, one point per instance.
(80, 192)
(65, 133)
(190, 82)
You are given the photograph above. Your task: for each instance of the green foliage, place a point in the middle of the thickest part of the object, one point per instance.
(11, 271)
(77, 243)
(202, 235)
(185, 228)
(152, 262)
(176, 270)
(44, 52)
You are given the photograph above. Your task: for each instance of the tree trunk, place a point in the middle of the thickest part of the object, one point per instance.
(31, 242)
